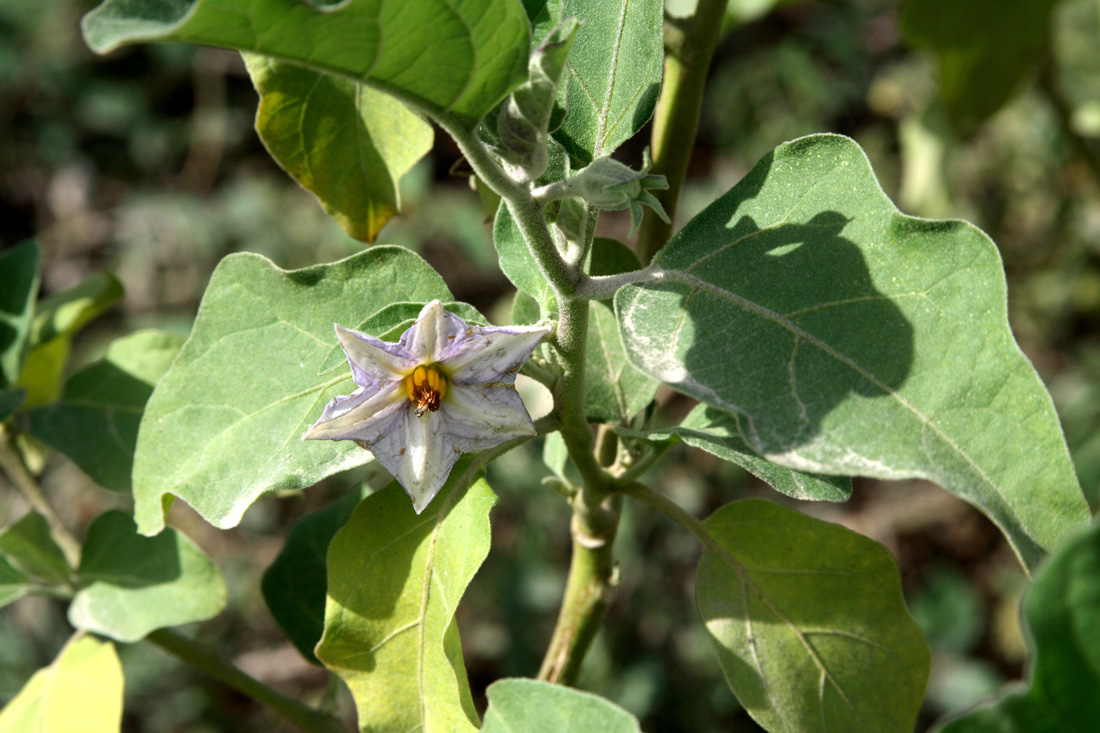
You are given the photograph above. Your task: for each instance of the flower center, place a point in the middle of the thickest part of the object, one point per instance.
(425, 386)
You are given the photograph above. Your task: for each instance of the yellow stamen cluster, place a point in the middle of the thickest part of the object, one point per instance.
(425, 386)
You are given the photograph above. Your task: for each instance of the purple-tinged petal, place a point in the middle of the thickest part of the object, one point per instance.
(373, 361)
(491, 354)
(362, 415)
(482, 416)
(435, 329)
(419, 452)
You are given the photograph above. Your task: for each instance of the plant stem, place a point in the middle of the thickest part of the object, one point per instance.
(12, 464)
(659, 501)
(676, 119)
(207, 661)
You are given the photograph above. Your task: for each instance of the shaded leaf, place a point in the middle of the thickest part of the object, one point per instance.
(95, 423)
(80, 691)
(517, 263)
(1062, 610)
(10, 401)
(985, 49)
(809, 622)
(533, 706)
(57, 319)
(224, 425)
(614, 75)
(130, 585)
(18, 289)
(615, 390)
(346, 143)
(294, 584)
(394, 581)
(13, 584)
(450, 58)
(30, 546)
(718, 433)
(846, 338)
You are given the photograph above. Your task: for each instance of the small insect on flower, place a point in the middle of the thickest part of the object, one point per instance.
(445, 388)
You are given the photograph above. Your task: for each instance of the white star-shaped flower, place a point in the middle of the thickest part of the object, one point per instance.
(446, 388)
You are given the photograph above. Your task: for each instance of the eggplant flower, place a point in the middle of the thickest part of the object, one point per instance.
(446, 388)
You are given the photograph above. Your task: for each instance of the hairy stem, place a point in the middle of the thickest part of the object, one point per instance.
(676, 119)
(208, 662)
(12, 464)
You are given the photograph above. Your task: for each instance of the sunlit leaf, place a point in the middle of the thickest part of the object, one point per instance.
(95, 423)
(394, 581)
(346, 143)
(614, 74)
(81, 691)
(846, 338)
(18, 289)
(450, 58)
(533, 706)
(809, 623)
(718, 432)
(130, 585)
(1062, 610)
(224, 425)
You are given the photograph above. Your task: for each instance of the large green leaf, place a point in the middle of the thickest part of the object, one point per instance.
(985, 48)
(394, 581)
(294, 584)
(81, 691)
(719, 433)
(346, 143)
(130, 585)
(614, 74)
(30, 546)
(447, 57)
(809, 622)
(56, 321)
(533, 706)
(95, 423)
(18, 289)
(224, 424)
(1062, 609)
(849, 339)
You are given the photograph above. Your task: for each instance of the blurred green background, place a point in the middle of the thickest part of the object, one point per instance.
(145, 163)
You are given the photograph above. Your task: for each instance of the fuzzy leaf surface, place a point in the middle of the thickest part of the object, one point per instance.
(130, 585)
(394, 582)
(533, 706)
(348, 144)
(95, 423)
(455, 58)
(1062, 610)
(224, 424)
(847, 338)
(809, 622)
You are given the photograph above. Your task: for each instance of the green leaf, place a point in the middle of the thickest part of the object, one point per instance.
(985, 49)
(95, 423)
(517, 263)
(532, 706)
(58, 318)
(846, 338)
(614, 75)
(809, 622)
(615, 390)
(13, 583)
(719, 433)
(458, 59)
(346, 143)
(10, 401)
(29, 545)
(525, 309)
(1062, 610)
(394, 581)
(224, 425)
(18, 288)
(80, 691)
(130, 585)
(294, 584)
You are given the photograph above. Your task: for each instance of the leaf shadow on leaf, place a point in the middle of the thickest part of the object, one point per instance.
(795, 328)
(647, 102)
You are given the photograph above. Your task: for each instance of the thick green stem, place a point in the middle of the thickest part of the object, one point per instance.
(208, 662)
(676, 119)
(12, 464)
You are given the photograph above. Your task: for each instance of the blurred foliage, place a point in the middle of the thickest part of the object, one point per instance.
(144, 163)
